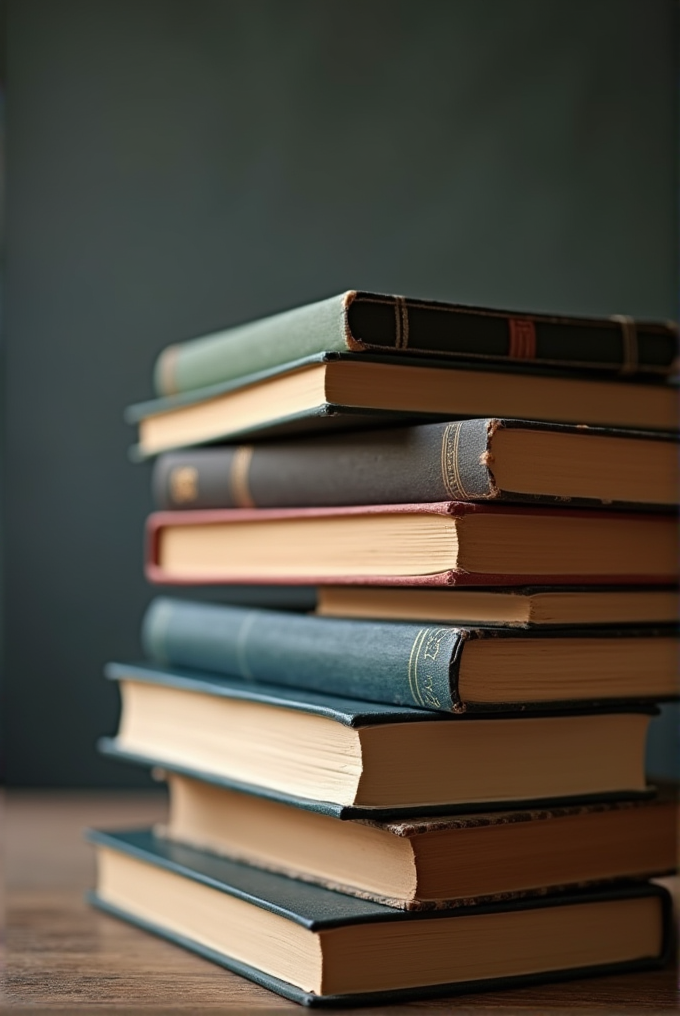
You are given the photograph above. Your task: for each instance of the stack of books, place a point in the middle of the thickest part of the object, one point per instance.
(435, 781)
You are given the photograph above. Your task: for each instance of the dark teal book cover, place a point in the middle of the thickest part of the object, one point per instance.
(348, 712)
(318, 910)
(392, 662)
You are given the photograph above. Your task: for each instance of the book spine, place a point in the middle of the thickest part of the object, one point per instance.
(258, 346)
(410, 465)
(396, 664)
(374, 323)
(615, 345)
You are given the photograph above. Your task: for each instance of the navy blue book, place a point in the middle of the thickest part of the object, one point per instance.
(356, 759)
(440, 667)
(317, 947)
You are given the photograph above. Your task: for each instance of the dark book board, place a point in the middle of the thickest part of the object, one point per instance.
(316, 908)
(421, 463)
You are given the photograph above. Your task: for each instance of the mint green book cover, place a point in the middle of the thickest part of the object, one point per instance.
(358, 322)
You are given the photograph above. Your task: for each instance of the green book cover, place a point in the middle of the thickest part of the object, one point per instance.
(371, 322)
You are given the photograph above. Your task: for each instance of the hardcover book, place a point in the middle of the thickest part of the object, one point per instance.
(339, 390)
(423, 863)
(518, 607)
(353, 758)
(432, 667)
(466, 460)
(361, 322)
(444, 544)
(530, 607)
(314, 946)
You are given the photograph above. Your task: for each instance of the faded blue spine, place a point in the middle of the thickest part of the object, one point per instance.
(400, 664)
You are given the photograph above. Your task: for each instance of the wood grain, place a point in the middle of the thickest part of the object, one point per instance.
(62, 955)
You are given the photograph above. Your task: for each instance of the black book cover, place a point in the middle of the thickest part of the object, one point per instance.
(318, 909)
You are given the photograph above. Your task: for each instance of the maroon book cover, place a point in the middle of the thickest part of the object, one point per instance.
(653, 526)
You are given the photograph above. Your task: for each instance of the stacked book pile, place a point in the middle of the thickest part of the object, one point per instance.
(435, 780)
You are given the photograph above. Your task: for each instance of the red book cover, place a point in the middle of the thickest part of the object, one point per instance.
(664, 529)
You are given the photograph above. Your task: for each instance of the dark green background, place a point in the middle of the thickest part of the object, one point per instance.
(176, 166)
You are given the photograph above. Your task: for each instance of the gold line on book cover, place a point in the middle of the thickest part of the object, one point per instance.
(453, 481)
(238, 479)
(183, 484)
(429, 648)
(412, 661)
(425, 647)
(629, 363)
(167, 363)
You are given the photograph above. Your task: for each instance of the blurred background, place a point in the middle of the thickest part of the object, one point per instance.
(178, 166)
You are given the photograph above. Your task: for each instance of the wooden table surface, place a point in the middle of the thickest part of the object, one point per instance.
(60, 955)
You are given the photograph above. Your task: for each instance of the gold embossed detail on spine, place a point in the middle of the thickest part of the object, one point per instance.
(453, 481)
(629, 338)
(166, 366)
(238, 478)
(401, 323)
(183, 484)
(412, 666)
(424, 665)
